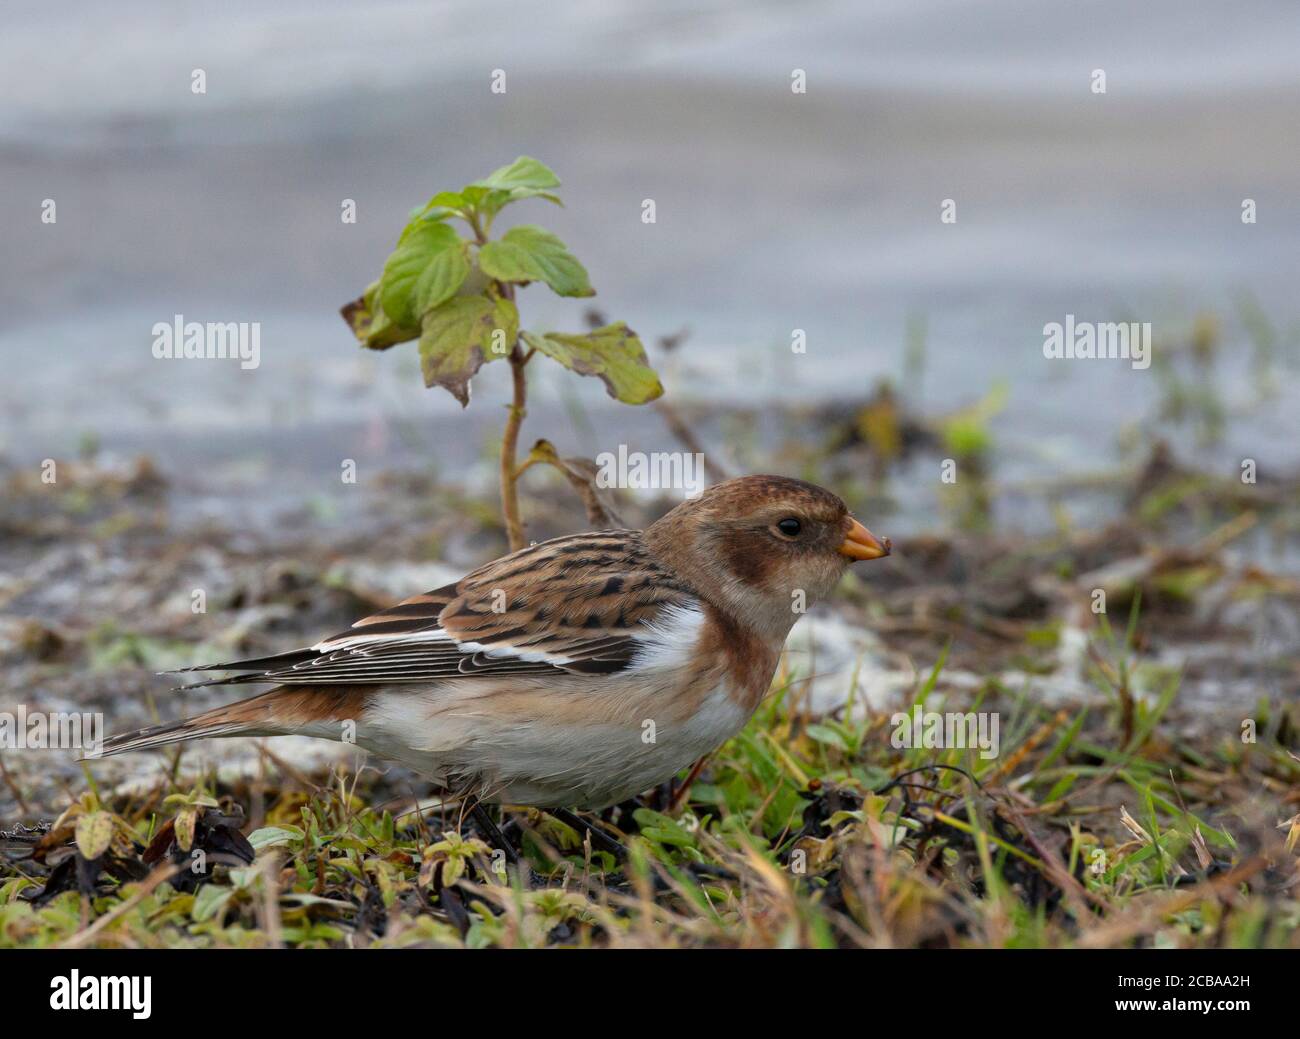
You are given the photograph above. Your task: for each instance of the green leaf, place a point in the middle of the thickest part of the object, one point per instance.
(453, 200)
(485, 199)
(662, 828)
(462, 335)
(530, 253)
(825, 734)
(371, 325)
(272, 836)
(440, 280)
(523, 178)
(525, 174)
(306, 898)
(422, 246)
(613, 354)
(94, 834)
(209, 900)
(441, 206)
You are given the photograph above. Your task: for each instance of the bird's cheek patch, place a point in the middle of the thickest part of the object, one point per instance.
(749, 556)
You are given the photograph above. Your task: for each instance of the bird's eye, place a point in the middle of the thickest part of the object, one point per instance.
(790, 527)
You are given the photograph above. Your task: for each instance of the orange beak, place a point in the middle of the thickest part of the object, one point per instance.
(860, 543)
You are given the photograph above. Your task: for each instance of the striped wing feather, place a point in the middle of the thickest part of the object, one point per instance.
(582, 604)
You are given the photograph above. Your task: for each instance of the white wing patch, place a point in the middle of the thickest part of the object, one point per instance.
(531, 656)
(668, 642)
(436, 636)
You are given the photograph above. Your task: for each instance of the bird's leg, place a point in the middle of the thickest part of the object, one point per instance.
(679, 795)
(599, 838)
(492, 831)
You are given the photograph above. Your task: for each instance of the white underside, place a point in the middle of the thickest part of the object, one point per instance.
(445, 733)
(563, 741)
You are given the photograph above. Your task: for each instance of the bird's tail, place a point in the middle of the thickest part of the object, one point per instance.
(186, 729)
(285, 710)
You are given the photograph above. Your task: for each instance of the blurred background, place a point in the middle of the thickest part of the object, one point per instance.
(775, 211)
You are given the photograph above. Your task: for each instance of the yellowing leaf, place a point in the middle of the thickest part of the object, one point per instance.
(94, 834)
(186, 821)
(613, 354)
(462, 335)
(371, 325)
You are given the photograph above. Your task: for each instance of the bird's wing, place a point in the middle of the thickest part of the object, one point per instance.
(591, 603)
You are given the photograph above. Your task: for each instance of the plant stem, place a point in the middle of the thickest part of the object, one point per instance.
(518, 406)
(509, 449)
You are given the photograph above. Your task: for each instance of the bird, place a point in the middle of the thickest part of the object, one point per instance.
(577, 672)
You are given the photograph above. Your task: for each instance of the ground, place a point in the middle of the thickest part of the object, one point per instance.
(1143, 791)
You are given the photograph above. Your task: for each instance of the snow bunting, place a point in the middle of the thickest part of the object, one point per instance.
(575, 673)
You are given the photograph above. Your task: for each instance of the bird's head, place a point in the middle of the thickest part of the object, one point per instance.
(765, 547)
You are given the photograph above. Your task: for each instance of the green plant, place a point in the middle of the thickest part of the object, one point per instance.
(456, 295)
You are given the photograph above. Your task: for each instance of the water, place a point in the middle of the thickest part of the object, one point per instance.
(775, 211)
